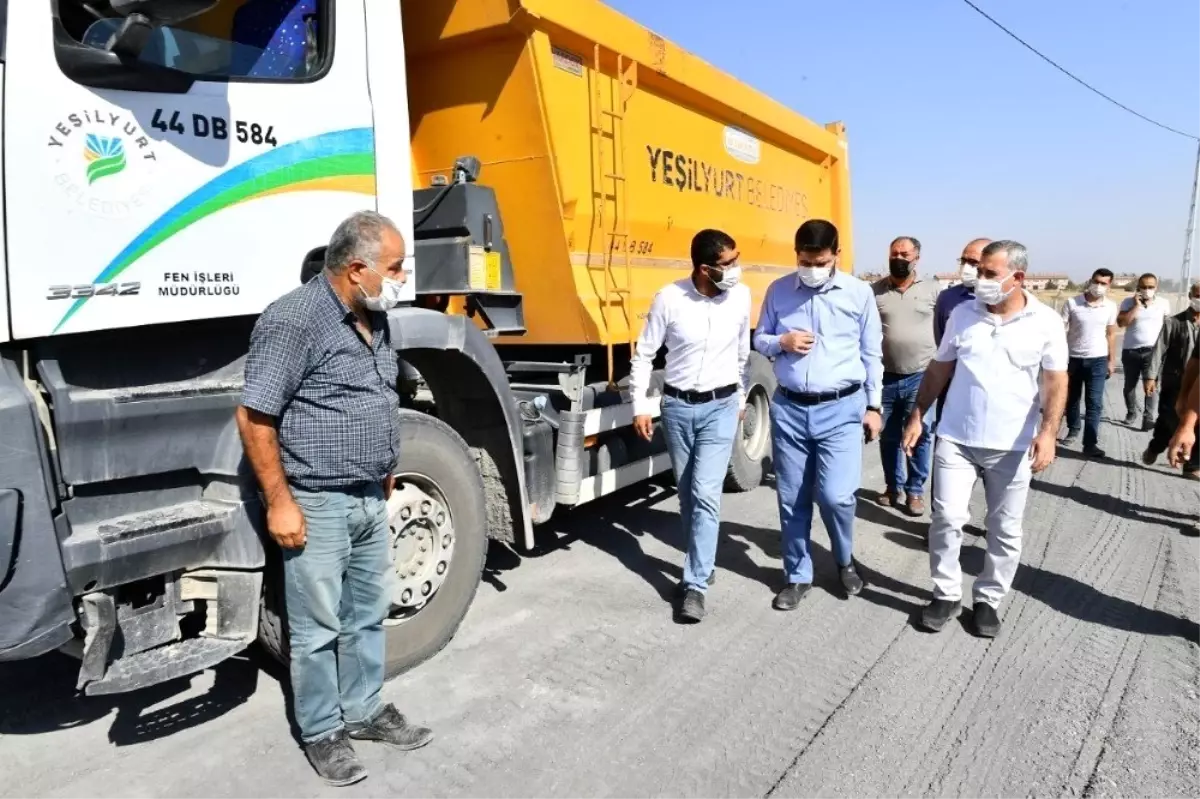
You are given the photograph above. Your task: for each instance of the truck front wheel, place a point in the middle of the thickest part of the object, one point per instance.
(438, 533)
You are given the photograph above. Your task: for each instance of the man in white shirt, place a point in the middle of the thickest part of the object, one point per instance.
(1091, 322)
(992, 354)
(704, 320)
(1142, 317)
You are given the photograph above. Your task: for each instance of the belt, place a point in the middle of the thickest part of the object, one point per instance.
(817, 397)
(699, 397)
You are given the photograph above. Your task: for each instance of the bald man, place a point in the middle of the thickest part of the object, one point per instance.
(951, 298)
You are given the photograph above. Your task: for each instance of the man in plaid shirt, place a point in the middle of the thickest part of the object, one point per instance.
(318, 423)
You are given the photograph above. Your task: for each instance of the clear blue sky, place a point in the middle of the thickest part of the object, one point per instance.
(957, 131)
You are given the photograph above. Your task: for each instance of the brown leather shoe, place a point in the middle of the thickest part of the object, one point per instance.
(888, 498)
(915, 506)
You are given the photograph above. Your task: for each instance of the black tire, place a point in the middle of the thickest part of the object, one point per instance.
(430, 448)
(752, 448)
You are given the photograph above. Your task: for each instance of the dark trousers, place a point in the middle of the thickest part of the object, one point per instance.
(1135, 363)
(1164, 428)
(1085, 379)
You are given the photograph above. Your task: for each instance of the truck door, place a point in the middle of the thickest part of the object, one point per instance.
(186, 178)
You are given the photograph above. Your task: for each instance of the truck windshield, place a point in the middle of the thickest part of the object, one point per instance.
(271, 39)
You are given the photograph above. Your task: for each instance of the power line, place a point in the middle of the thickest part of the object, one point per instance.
(1080, 81)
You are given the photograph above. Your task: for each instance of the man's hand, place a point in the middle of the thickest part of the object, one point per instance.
(912, 433)
(389, 485)
(1151, 385)
(872, 423)
(644, 426)
(797, 342)
(1042, 451)
(285, 523)
(1180, 447)
(1112, 367)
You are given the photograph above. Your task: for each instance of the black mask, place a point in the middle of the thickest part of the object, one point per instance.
(900, 268)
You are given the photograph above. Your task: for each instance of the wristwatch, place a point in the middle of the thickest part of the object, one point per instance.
(876, 409)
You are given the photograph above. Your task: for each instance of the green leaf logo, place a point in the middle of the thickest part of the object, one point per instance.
(105, 156)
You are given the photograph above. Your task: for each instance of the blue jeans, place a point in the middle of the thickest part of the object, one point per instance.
(700, 442)
(818, 454)
(899, 399)
(337, 594)
(1089, 374)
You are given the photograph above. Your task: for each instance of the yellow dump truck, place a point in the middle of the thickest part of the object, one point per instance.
(547, 160)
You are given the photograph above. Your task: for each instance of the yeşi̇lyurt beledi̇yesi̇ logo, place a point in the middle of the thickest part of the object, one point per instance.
(105, 156)
(103, 161)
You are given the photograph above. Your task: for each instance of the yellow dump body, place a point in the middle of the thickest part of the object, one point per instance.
(608, 148)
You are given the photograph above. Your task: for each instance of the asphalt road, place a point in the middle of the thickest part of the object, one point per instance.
(570, 679)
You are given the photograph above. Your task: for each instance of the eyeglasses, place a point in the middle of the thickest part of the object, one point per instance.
(968, 262)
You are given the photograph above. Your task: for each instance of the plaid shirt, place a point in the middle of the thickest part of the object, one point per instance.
(333, 394)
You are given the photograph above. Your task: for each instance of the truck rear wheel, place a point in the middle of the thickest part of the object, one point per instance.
(752, 448)
(438, 520)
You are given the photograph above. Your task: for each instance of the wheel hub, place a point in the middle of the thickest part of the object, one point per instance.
(422, 540)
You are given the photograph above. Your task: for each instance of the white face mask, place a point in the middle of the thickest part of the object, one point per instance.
(1097, 289)
(1194, 303)
(969, 274)
(729, 278)
(991, 292)
(390, 293)
(814, 276)
(1147, 294)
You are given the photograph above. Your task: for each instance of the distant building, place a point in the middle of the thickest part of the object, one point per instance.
(870, 277)
(1124, 281)
(1046, 282)
(947, 279)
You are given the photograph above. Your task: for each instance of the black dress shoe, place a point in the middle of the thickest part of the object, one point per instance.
(985, 620)
(390, 727)
(691, 609)
(1093, 452)
(850, 580)
(334, 760)
(935, 615)
(789, 598)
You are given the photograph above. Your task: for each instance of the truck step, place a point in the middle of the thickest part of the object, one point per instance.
(115, 550)
(163, 663)
(186, 516)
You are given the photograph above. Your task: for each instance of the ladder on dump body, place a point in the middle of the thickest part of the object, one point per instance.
(612, 170)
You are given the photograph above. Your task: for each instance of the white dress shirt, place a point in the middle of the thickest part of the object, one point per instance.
(994, 396)
(1087, 326)
(707, 338)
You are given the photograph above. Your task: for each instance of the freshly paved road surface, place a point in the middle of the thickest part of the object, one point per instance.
(570, 679)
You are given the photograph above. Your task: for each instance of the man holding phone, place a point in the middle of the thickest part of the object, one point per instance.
(704, 321)
(1141, 316)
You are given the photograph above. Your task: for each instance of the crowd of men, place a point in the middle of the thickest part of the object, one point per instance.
(956, 385)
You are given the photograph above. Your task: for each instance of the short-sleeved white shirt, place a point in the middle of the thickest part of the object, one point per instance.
(1144, 329)
(1087, 326)
(994, 398)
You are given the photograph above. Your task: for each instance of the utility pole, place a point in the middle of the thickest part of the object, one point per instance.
(1185, 274)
